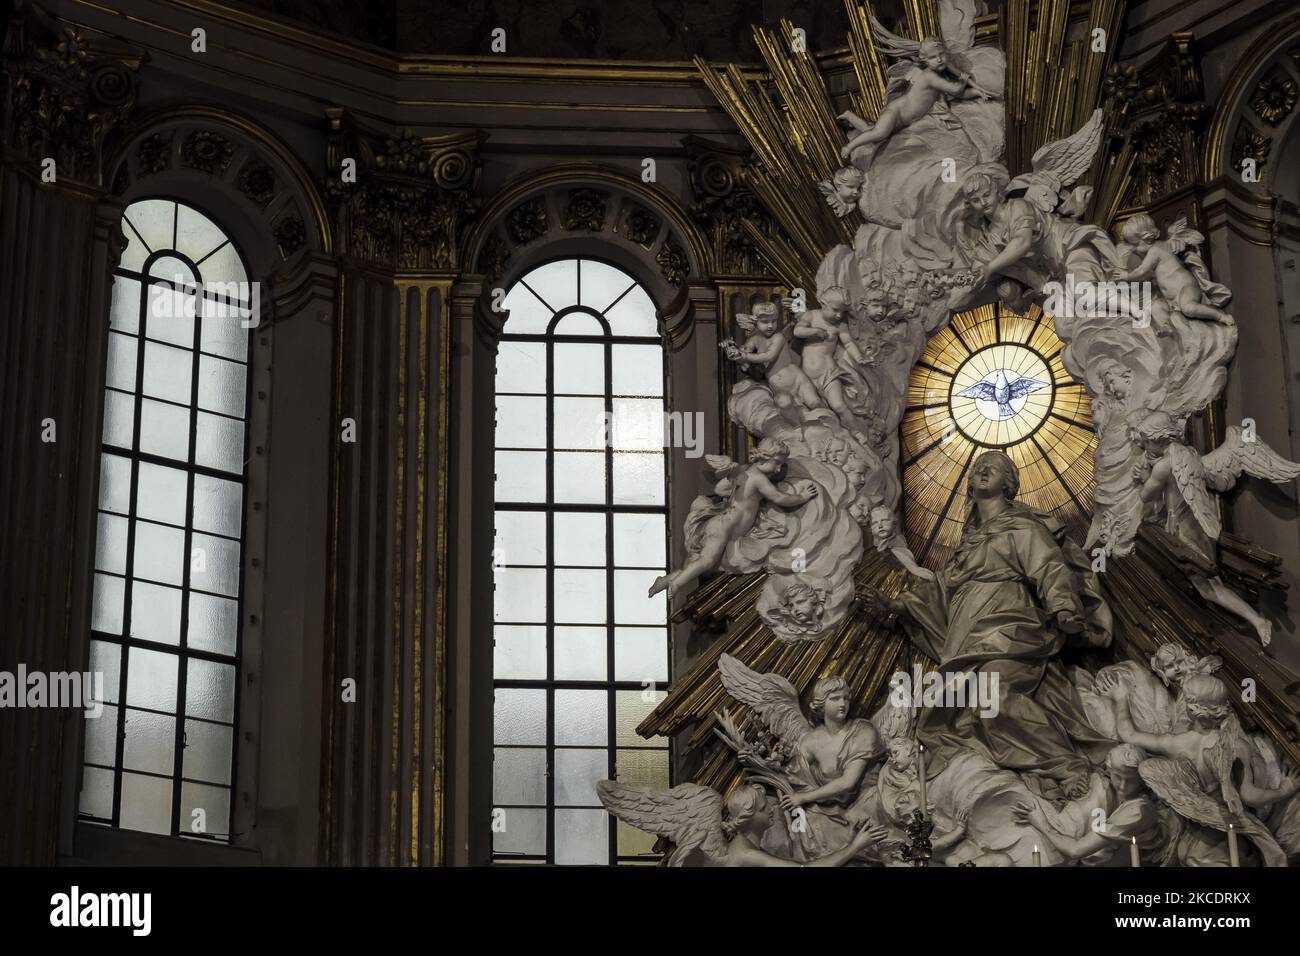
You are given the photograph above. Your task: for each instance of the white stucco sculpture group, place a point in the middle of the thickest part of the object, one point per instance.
(948, 227)
(1050, 764)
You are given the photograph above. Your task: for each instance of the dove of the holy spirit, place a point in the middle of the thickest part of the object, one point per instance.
(998, 398)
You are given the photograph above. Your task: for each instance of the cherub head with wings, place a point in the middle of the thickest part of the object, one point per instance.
(763, 320)
(843, 190)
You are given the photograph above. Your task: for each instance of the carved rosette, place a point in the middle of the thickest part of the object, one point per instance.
(207, 151)
(1249, 144)
(64, 93)
(413, 197)
(672, 261)
(1274, 97)
(494, 257)
(527, 221)
(586, 210)
(257, 182)
(641, 226)
(154, 154)
(290, 234)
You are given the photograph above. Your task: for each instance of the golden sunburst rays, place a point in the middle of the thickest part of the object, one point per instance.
(1044, 424)
(1056, 73)
(789, 122)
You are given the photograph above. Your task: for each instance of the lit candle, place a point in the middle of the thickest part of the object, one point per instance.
(1233, 859)
(920, 774)
(1133, 858)
(1038, 857)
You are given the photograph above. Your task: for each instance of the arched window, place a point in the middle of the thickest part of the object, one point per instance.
(581, 653)
(165, 628)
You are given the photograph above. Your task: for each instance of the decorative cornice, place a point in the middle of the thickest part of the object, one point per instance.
(726, 208)
(64, 92)
(1156, 115)
(412, 199)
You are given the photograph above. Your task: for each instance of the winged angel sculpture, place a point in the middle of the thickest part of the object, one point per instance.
(708, 831)
(1180, 484)
(1145, 328)
(829, 754)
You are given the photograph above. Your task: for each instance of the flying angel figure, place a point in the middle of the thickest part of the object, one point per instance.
(928, 74)
(1185, 483)
(695, 818)
(1002, 392)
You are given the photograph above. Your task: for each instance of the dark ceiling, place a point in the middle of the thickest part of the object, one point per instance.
(573, 29)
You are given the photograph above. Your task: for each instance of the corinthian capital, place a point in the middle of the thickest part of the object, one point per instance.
(64, 92)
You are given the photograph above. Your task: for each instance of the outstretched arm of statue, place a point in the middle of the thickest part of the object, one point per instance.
(779, 498)
(1019, 245)
(767, 353)
(851, 347)
(1145, 269)
(1071, 847)
(865, 837)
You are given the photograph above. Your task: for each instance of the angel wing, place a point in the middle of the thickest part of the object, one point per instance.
(689, 815)
(771, 696)
(1188, 470)
(1180, 236)
(898, 79)
(1225, 464)
(722, 465)
(1175, 782)
(745, 321)
(1068, 159)
(838, 205)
